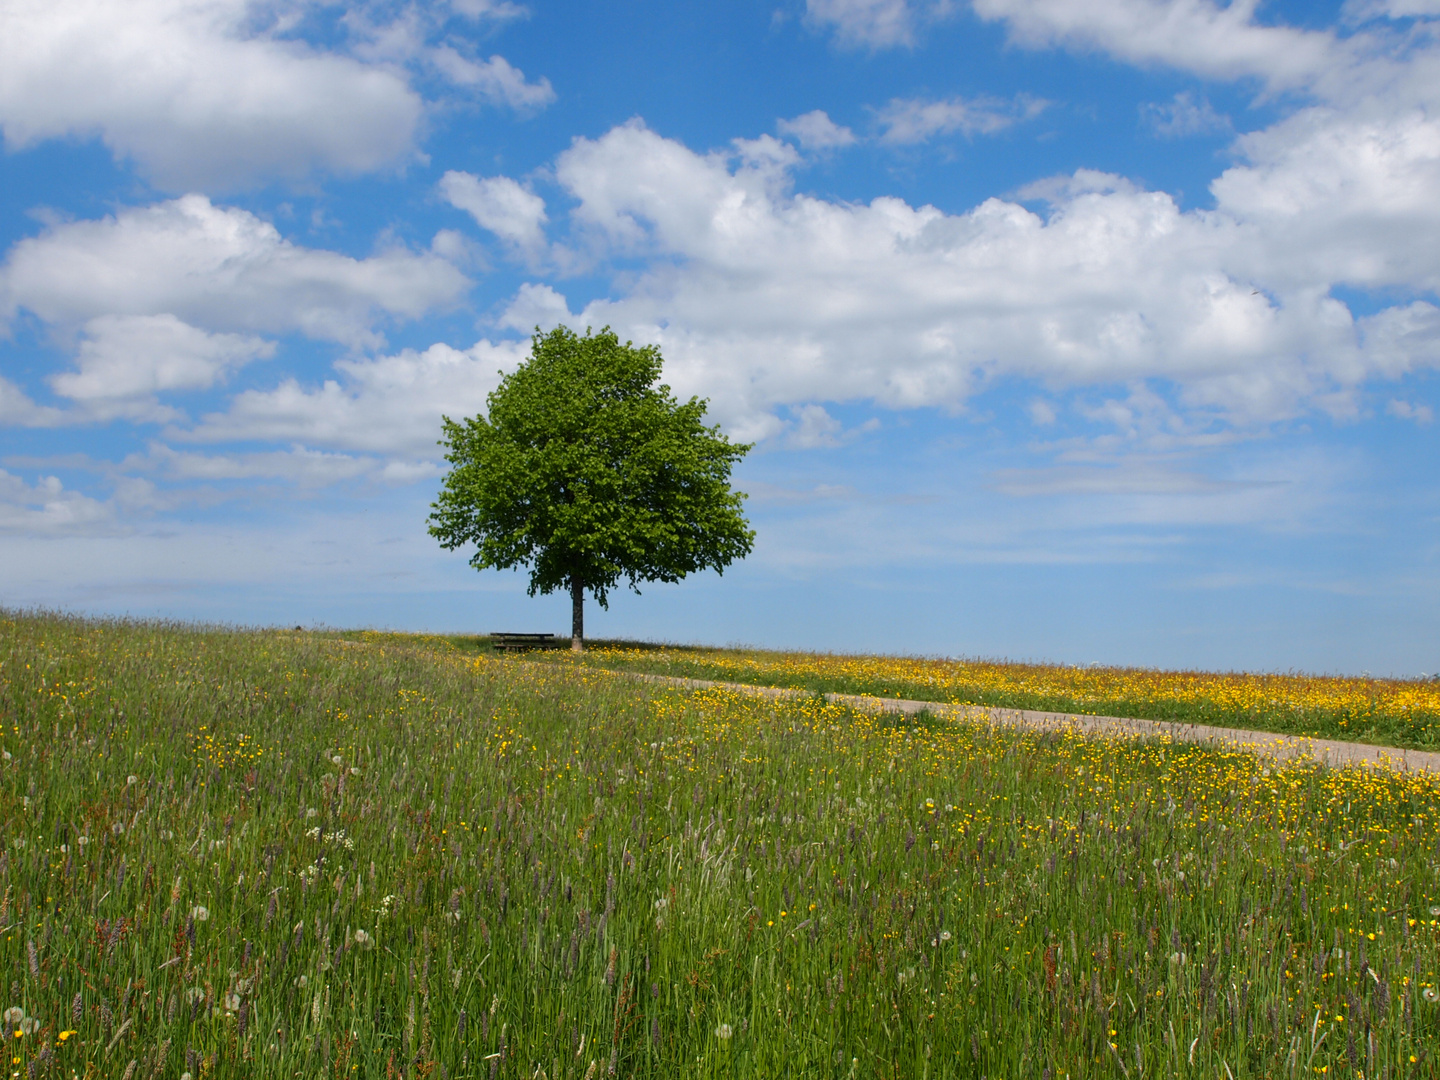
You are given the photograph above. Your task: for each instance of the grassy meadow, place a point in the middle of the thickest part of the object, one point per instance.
(1387, 712)
(265, 854)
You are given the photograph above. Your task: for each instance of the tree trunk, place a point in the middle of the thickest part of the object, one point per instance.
(577, 615)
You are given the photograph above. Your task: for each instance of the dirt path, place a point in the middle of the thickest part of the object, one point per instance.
(1280, 747)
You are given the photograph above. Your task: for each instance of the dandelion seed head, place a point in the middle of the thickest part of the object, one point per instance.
(200, 913)
(724, 1031)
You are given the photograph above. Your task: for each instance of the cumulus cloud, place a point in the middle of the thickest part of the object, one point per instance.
(499, 204)
(915, 120)
(1041, 412)
(761, 297)
(815, 130)
(813, 428)
(1405, 410)
(124, 362)
(220, 269)
(495, 79)
(18, 410)
(191, 91)
(46, 508)
(383, 405)
(536, 305)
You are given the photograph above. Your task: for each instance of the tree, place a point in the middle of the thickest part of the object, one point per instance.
(588, 472)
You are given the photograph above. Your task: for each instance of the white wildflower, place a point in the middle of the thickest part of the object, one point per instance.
(363, 939)
(131, 779)
(200, 913)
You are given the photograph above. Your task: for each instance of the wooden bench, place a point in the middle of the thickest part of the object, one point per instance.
(521, 642)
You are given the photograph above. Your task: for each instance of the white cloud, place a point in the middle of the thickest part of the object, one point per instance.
(812, 427)
(492, 10)
(17, 410)
(1340, 196)
(47, 509)
(502, 206)
(816, 131)
(1124, 477)
(1362, 10)
(1184, 115)
(386, 405)
(763, 298)
(1405, 410)
(495, 79)
(1192, 35)
(536, 305)
(915, 120)
(124, 362)
(1042, 413)
(194, 93)
(299, 465)
(875, 24)
(220, 269)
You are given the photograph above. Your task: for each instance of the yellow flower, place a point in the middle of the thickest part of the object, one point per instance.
(66, 1034)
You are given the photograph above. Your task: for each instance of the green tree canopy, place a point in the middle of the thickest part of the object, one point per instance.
(588, 472)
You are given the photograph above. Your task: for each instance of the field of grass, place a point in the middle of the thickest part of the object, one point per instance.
(1386, 712)
(261, 854)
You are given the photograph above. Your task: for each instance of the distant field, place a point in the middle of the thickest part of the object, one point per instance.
(1386, 712)
(283, 855)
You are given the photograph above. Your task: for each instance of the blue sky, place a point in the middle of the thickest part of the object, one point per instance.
(1079, 330)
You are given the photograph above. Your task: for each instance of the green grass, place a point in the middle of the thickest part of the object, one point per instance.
(1384, 712)
(562, 873)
